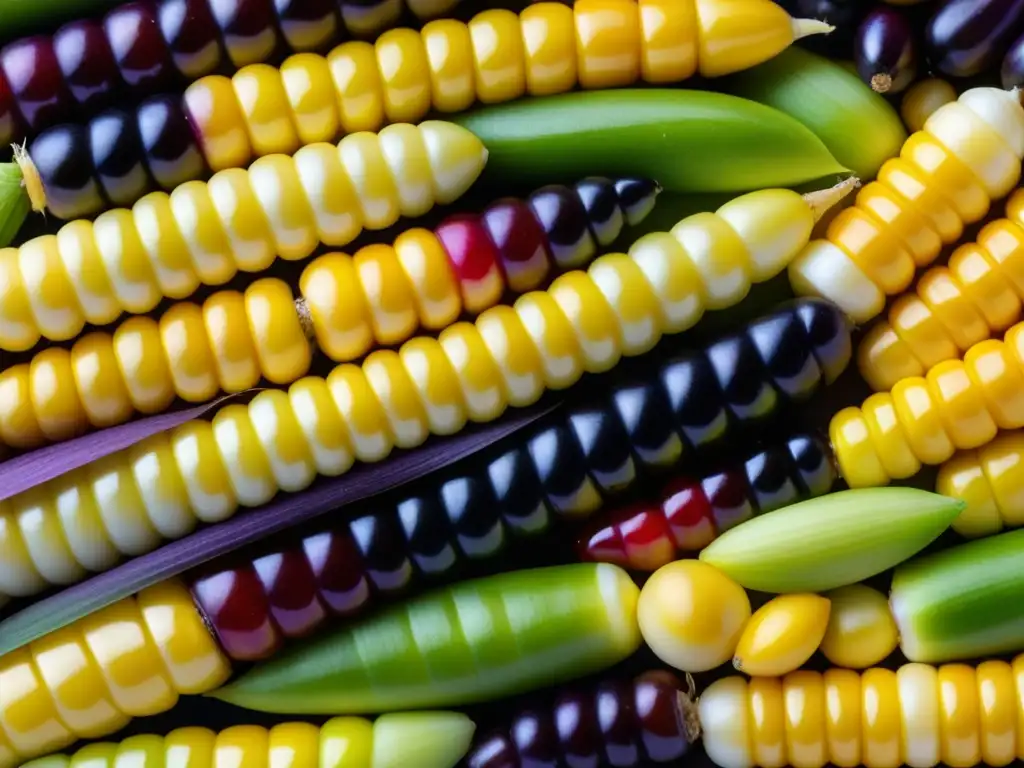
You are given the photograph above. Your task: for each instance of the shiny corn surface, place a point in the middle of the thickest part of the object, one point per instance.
(126, 504)
(203, 233)
(976, 296)
(957, 405)
(917, 715)
(131, 659)
(967, 155)
(346, 305)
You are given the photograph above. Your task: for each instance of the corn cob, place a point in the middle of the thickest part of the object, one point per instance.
(560, 471)
(690, 514)
(968, 154)
(424, 739)
(586, 321)
(149, 46)
(631, 723)
(977, 295)
(88, 680)
(203, 233)
(918, 715)
(990, 479)
(135, 657)
(347, 305)
(957, 405)
(498, 56)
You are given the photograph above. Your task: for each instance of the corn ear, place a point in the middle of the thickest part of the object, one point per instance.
(831, 541)
(859, 127)
(963, 602)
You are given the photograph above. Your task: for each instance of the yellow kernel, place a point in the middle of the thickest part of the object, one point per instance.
(782, 635)
(691, 615)
(861, 631)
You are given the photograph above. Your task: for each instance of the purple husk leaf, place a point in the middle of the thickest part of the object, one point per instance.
(27, 470)
(365, 481)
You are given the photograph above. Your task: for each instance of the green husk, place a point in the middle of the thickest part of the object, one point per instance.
(689, 141)
(833, 540)
(859, 127)
(471, 642)
(399, 740)
(14, 202)
(962, 603)
(21, 16)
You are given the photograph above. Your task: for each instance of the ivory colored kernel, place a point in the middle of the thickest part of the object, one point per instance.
(966, 155)
(473, 371)
(916, 715)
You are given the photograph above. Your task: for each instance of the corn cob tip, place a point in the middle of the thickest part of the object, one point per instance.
(687, 702)
(821, 200)
(31, 181)
(807, 27)
(881, 82)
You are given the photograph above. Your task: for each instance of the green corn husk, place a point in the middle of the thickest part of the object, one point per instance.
(962, 603)
(470, 642)
(859, 127)
(833, 540)
(20, 16)
(14, 202)
(398, 740)
(689, 141)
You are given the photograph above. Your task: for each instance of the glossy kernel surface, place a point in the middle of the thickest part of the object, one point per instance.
(967, 155)
(917, 715)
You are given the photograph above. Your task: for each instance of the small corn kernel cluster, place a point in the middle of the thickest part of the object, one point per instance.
(149, 46)
(631, 722)
(426, 739)
(585, 322)
(968, 154)
(223, 122)
(204, 233)
(89, 679)
(347, 305)
(977, 295)
(990, 480)
(918, 715)
(563, 470)
(958, 404)
(690, 514)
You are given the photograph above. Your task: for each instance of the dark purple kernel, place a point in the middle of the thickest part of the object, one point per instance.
(618, 719)
(564, 220)
(338, 570)
(287, 581)
(87, 64)
(536, 740)
(191, 35)
(247, 27)
(37, 83)
(171, 150)
(307, 25)
(138, 47)
(66, 171)
(117, 157)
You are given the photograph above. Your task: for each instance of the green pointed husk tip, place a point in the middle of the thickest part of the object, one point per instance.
(962, 602)
(435, 739)
(833, 540)
(14, 202)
